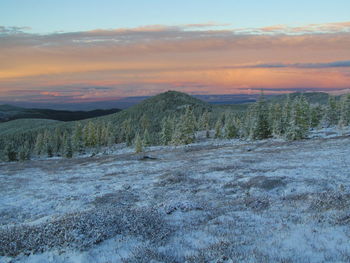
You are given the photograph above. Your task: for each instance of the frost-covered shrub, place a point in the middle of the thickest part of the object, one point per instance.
(83, 230)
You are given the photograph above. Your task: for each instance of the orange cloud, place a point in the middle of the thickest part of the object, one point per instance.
(155, 58)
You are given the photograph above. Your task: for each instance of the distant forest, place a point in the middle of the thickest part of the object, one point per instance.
(171, 118)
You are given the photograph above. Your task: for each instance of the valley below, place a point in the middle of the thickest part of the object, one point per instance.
(211, 201)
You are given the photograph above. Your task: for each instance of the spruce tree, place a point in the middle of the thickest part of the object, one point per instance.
(10, 152)
(39, 144)
(92, 138)
(189, 125)
(230, 129)
(299, 124)
(24, 152)
(138, 144)
(218, 129)
(77, 138)
(184, 132)
(146, 138)
(315, 116)
(345, 111)
(67, 146)
(166, 133)
(286, 114)
(277, 120)
(145, 122)
(332, 113)
(261, 128)
(204, 123)
(127, 132)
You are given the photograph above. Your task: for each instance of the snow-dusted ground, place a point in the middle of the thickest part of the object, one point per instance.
(215, 201)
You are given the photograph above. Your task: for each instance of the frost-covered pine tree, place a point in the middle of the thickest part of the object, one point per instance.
(146, 138)
(39, 144)
(48, 144)
(77, 138)
(145, 122)
(218, 129)
(286, 114)
(277, 120)
(299, 124)
(345, 111)
(127, 132)
(24, 152)
(67, 146)
(184, 132)
(315, 116)
(138, 144)
(230, 129)
(331, 117)
(204, 123)
(10, 152)
(166, 133)
(56, 141)
(261, 127)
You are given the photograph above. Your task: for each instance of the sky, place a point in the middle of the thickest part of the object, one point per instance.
(75, 51)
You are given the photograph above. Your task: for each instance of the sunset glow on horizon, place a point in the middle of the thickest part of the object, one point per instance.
(198, 58)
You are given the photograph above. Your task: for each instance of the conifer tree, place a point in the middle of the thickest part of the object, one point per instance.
(184, 132)
(24, 152)
(204, 123)
(39, 144)
(10, 152)
(261, 128)
(286, 114)
(111, 134)
(277, 120)
(345, 111)
(166, 133)
(127, 132)
(230, 130)
(67, 146)
(299, 124)
(145, 122)
(315, 116)
(138, 144)
(332, 113)
(92, 138)
(146, 138)
(77, 138)
(218, 129)
(56, 140)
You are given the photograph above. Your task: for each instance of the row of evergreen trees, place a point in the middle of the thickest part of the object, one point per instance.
(291, 120)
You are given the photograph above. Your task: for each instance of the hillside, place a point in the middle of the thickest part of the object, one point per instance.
(9, 112)
(154, 109)
(150, 111)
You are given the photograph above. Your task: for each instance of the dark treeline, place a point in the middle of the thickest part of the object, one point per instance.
(291, 119)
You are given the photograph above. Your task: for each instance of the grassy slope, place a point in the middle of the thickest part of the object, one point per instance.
(9, 112)
(25, 125)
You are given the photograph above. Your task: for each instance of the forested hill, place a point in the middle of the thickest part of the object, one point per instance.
(172, 118)
(121, 126)
(9, 112)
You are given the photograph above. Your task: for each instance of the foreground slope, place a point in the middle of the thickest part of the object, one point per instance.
(215, 201)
